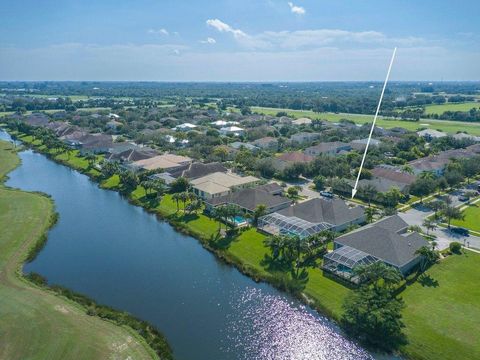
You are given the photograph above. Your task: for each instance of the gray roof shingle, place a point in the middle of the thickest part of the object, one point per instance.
(387, 240)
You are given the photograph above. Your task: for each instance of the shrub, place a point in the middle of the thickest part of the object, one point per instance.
(455, 247)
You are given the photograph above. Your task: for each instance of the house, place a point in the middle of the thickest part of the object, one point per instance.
(302, 121)
(185, 127)
(232, 130)
(113, 116)
(127, 153)
(386, 177)
(464, 136)
(328, 148)
(196, 170)
(436, 163)
(95, 143)
(296, 157)
(173, 140)
(165, 162)
(311, 217)
(266, 143)
(361, 144)
(220, 184)
(36, 120)
(223, 123)
(237, 145)
(304, 137)
(430, 134)
(388, 240)
(248, 199)
(113, 124)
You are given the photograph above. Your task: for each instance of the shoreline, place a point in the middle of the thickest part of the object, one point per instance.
(220, 254)
(89, 307)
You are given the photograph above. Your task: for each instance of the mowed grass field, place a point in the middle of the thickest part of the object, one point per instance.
(35, 323)
(440, 109)
(451, 127)
(472, 218)
(443, 322)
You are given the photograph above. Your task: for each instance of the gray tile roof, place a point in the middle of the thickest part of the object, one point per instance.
(333, 211)
(197, 170)
(387, 240)
(250, 198)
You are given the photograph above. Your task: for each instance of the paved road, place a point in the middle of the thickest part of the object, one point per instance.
(415, 216)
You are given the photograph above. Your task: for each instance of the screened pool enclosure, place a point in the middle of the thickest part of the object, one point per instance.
(278, 224)
(343, 260)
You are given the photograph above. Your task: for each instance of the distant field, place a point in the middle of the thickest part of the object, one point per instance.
(91, 109)
(440, 109)
(443, 320)
(451, 127)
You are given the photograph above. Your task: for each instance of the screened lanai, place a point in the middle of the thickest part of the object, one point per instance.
(343, 260)
(278, 224)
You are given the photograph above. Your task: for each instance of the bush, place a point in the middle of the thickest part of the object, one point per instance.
(455, 247)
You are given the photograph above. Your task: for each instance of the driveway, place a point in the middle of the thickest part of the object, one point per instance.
(415, 216)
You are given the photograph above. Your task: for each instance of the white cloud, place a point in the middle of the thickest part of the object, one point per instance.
(310, 39)
(223, 27)
(209, 40)
(159, 32)
(296, 9)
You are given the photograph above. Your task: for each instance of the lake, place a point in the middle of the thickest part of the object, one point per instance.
(126, 258)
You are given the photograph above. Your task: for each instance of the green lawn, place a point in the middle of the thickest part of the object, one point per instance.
(451, 127)
(440, 109)
(472, 218)
(443, 322)
(35, 323)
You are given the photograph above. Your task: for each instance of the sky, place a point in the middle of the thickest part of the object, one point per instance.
(239, 40)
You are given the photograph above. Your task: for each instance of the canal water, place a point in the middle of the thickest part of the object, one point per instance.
(124, 257)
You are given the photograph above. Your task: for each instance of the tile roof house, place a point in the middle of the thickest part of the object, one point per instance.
(328, 148)
(387, 240)
(437, 163)
(237, 145)
(165, 162)
(302, 121)
(296, 157)
(361, 144)
(130, 153)
(219, 184)
(266, 143)
(95, 143)
(232, 130)
(37, 120)
(430, 134)
(196, 170)
(248, 199)
(304, 137)
(311, 217)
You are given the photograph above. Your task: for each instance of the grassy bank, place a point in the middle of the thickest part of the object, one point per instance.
(451, 127)
(35, 323)
(429, 324)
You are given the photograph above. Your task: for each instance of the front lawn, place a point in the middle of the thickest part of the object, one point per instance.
(443, 317)
(472, 218)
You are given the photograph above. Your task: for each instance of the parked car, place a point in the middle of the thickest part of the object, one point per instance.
(326, 194)
(460, 231)
(463, 198)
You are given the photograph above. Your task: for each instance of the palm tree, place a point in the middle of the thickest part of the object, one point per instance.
(259, 211)
(91, 159)
(426, 175)
(176, 197)
(407, 169)
(429, 224)
(452, 213)
(184, 198)
(369, 191)
(428, 255)
(220, 213)
(194, 205)
(370, 212)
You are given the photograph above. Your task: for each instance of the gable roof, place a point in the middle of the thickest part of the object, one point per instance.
(296, 157)
(393, 174)
(387, 240)
(333, 211)
(220, 182)
(250, 198)
(328, 146)
(197, 170)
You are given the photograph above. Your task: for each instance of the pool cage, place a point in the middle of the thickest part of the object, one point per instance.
(278, 224)
(344, 260)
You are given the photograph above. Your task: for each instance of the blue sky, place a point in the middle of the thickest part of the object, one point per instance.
(238, 40)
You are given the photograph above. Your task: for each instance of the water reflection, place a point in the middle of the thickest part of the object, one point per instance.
(269, 327)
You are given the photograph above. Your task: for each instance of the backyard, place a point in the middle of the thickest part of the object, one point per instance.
(472, 217)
